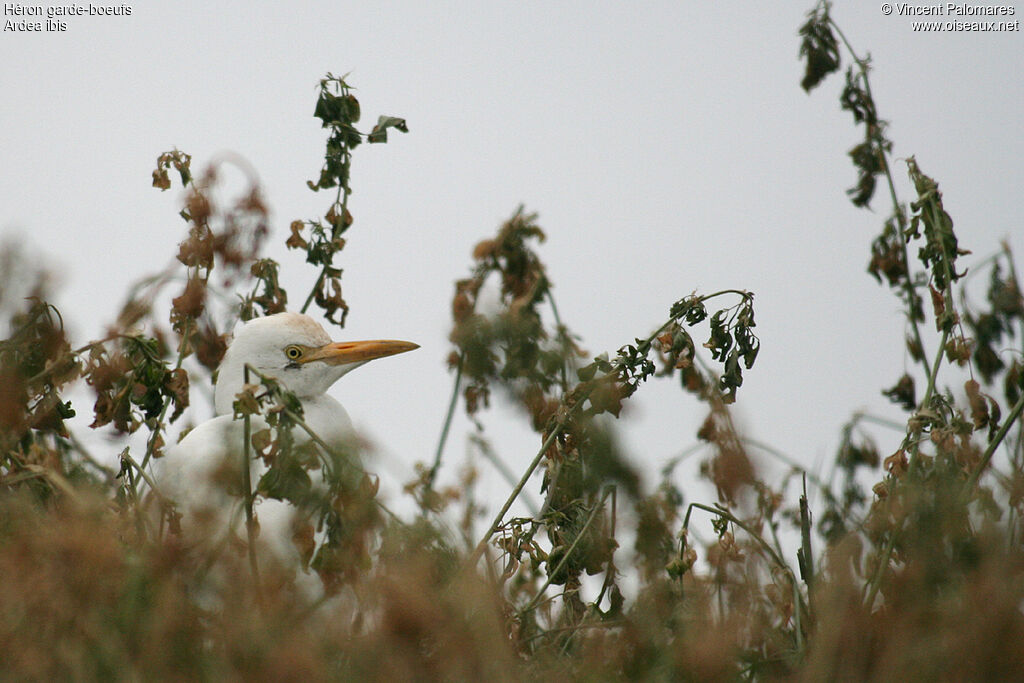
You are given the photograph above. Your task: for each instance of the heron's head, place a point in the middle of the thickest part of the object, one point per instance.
(294, 349)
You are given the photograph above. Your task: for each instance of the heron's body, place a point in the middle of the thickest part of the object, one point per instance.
(201, 475)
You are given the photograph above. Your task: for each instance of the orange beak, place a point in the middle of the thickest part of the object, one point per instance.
(342, 353)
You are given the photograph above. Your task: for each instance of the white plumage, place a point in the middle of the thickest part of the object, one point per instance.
(200, 473)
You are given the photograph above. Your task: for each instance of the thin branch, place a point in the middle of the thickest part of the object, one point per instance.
(725, 514)
(488, 453)
(908, 285)
(250, 526)
(342, 198)
(151, 443)
(798, 602)
(327, 450)
(149, 480)
(452, 403)
(568, 553)
(556, 430)
(80, 448)
(871, 589)
(1014, 415)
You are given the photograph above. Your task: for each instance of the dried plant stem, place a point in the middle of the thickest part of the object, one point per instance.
(725, 514)
(1014, 415)
(151, 442)
(342, 198)
(452, 403)
(506, 473)
(250, 525)
(568, 553)
(908, 285)
(556, 430)
(798, 601)
(326, 448)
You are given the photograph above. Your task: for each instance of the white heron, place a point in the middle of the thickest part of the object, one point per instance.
(200, 472)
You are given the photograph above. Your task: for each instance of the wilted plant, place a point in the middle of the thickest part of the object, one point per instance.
(913, 569)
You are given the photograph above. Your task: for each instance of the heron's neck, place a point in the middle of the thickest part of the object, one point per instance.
(328, 419)
(230, 380)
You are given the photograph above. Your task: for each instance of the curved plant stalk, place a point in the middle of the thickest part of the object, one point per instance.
(799, 607)
(340, 198)
(568, 553)
(631, 367)
(486, 452)
(449, 415)
(728, 516)
(325, 449)
(155, 434)
(883, 158)
(457, 384)
(1014, 415)
(556, 430)
(250, 522)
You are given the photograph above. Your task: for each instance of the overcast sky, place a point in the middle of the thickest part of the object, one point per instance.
(667, 147)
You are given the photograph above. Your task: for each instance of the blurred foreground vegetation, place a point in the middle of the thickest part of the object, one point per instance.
(910, 568)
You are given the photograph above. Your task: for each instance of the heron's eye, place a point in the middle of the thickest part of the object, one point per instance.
(293, 352)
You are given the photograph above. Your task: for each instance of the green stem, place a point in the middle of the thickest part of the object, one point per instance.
(151, 443)
(933, 373)
(876, 579)
(108, 474)
(1016, 280)
(452, 403)
(149, 480)
(609, 572)
(1014, 415)
(327, 450)
(76, 352)
(725, 514)
(341, 197)
(785, 459)
(643, 347)
(805, 539)
(612, 623)
(798, 603)
(567, 356)
(505, 472)
(908, 285)
(482, 545)
(250, 527)
(568, 553)
(884, 422)
(142, 523)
